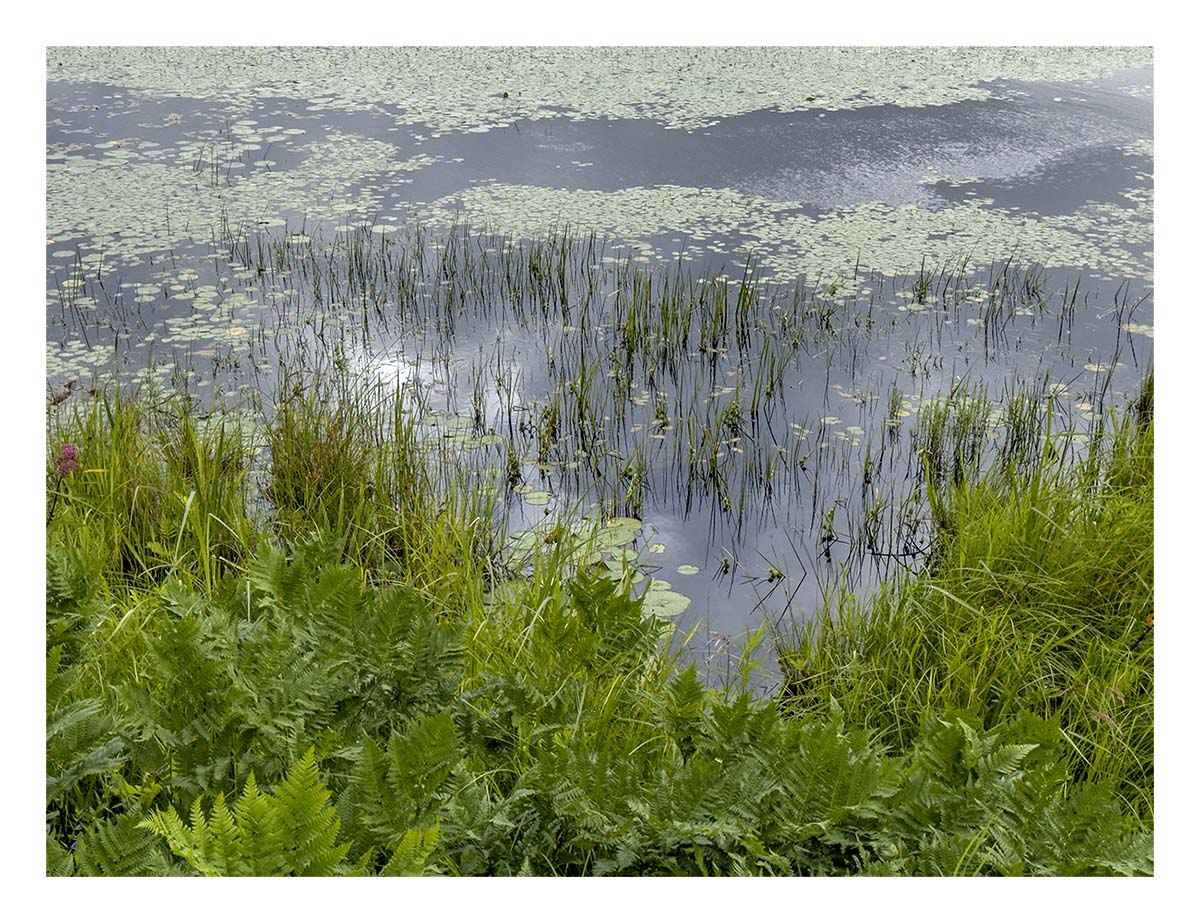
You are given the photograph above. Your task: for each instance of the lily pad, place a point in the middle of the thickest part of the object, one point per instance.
(523, 541)
(664, 604)
(618, 532)
(449, 422)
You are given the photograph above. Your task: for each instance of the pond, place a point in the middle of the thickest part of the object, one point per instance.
(733, 305)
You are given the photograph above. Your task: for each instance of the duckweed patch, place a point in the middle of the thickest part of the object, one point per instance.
(480, 89)
(1109, 238)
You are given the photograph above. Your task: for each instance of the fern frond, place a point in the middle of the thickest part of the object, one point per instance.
(412, 852)
(308, 821)
(291, 832)
(120, 848)
(59, 861)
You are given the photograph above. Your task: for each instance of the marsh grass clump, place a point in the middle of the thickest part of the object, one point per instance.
(952, 435)
(1038, 601)
(346, 458)
(156, 489)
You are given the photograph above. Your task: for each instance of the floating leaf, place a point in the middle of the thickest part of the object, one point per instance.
(451, 422)
(617, 532)
(664, 604)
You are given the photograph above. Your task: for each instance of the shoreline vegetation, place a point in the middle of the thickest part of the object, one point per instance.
(304, 647)
(343, 691)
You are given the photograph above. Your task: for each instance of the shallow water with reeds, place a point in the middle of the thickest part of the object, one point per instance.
(736, 325)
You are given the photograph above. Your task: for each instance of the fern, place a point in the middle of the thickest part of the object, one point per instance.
(976, 803)
(301, 651)
(401, 788)
(70, 593)
(80, 740)
(83, 745)
(684, 714)
(59, 861)
(118, 848)
(292, 832)
(412, 853)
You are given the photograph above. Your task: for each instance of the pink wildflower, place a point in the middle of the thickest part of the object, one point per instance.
(66, 460)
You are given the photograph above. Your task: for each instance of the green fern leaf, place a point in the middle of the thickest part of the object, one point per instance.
(308, 821)
(119, 848)
(291, 832)
(412, 852)
(59, 861)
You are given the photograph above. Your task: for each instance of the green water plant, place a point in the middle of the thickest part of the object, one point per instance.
(1038, 599)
